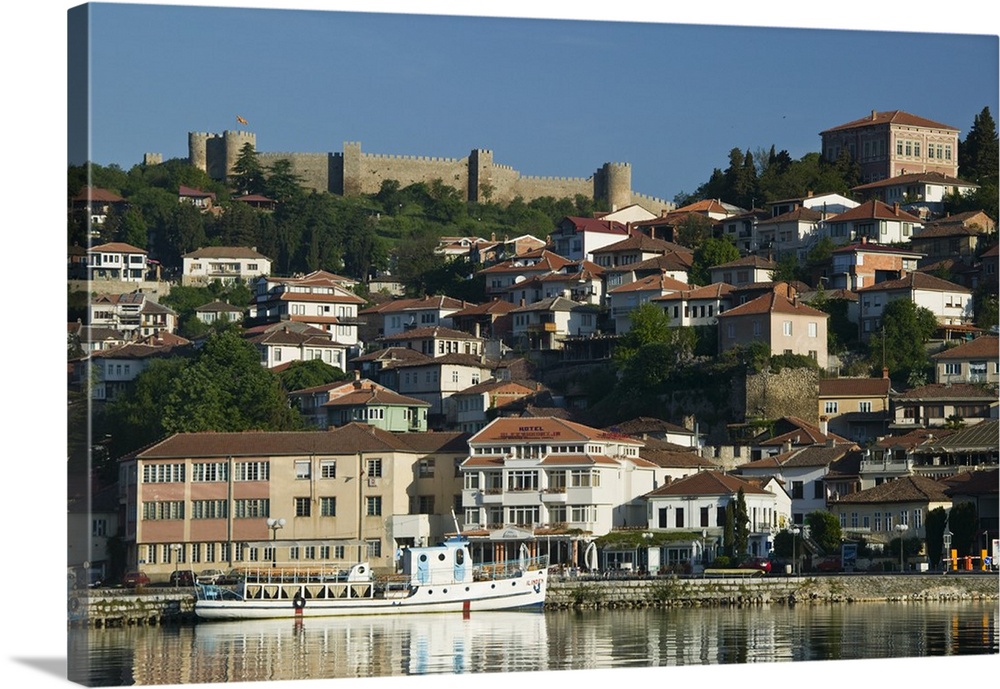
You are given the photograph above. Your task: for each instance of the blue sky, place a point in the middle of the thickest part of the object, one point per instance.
(548, 96)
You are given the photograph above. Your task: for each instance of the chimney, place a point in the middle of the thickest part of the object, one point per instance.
(824, 425)
(885, 373)
(873, 115)
(895, 208)
(786, 447)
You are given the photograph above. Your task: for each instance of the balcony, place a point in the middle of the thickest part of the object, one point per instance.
(542, 327)
(554, 495)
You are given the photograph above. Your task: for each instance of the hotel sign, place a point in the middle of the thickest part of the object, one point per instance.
(529, 432)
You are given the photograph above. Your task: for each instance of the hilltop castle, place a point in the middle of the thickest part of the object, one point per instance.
(352, 172)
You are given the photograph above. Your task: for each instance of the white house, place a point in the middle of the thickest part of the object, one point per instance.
(224, 264)
(401, 315)
(801, 472)
(577, 238)
(698, 504)
(321, 300)
(951, 304)
(470, 409)
(971, 362)
(873, 219)
(748, 270)
(920, 193)
(436, 341)
(116, 261)
(281, 344)
(134, 314)
(699, 306)
(545, 324)
(435, 379)
(627, 298)
(218, 311)
(547, 477)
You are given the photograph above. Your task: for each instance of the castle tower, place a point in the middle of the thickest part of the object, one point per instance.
(481, 175)
(352, 168)
(234, 142)
(613, 183)
(198, 150)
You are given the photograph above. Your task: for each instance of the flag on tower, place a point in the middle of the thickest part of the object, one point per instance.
(240, 120)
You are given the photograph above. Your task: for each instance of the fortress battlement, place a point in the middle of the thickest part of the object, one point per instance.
(415, 159)
(350, 172)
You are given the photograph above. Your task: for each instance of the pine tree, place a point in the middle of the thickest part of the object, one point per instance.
(979, 154)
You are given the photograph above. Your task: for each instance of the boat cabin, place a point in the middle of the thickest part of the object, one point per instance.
(447, 563)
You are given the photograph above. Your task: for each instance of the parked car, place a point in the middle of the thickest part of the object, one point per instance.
(133, 579)
(761, 564)
(234, 576)
(182, 577)
(830, 564)
(210, 576)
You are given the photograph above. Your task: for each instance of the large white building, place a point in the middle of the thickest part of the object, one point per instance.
(224, 264)
(551, 481)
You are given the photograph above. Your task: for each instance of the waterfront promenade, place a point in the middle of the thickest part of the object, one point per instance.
(164, 605)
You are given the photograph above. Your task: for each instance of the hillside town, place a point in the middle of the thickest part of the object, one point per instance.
(616, 400)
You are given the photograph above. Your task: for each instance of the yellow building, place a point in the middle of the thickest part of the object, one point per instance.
(225, 500)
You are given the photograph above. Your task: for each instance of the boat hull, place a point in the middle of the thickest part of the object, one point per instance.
(514, 593)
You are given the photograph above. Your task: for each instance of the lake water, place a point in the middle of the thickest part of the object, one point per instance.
(521, 641)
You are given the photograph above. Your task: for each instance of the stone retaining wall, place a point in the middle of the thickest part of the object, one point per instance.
(112, 608)
(669, 591)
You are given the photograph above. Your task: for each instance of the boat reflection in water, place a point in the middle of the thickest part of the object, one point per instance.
(372, 646)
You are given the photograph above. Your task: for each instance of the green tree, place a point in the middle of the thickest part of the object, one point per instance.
(788, 270)
(711, 252)
(309, 374)
(226, 389)
(963, 521)
(741, 525)
(729, 530)
(979, 153)
(694, 230)
(906, 329)
(649, 324)
(248, 174)
(824, 529)
(934, 527)
(281, 183)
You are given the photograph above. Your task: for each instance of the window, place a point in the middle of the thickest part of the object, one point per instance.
(373, 505)
(679, 517)
(303, 469)
(328, 507)
(756, 328)
(163, 509)
(786, 328)
(207, 472)
(796, 490)
(252, 471)
(472, 480)
(865, 406)
(584, 478)
(251, 508)
(731, 331)
(163, 473)
(812, 329)
(854, 520)
(374, 468)
(99, 527)
(374, 547)
(209, 509)
(328, 468)
(425, 468)
(817, 490)
(704, 516)
(421, 504)
(522, 480)
(583, 513)
(830, 407)
(302, 507)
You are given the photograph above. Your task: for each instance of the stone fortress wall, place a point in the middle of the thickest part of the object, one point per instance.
(477, 176)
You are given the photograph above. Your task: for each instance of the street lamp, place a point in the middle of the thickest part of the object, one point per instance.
(274, 525)
(947, 548)
(901, 528)
(795, 559)
(176, 547)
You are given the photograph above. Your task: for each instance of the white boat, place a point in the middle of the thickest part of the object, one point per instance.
(434, 579)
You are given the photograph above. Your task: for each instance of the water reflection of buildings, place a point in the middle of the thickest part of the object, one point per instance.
(360, 647)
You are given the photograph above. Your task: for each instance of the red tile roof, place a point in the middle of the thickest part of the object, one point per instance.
(875, 209)
(547, 428)
(708, 483)
(653, 283)
(901, 490)
(891, 117)
(983, 346)
(773, 303)
(916, 281)
(854, 387)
